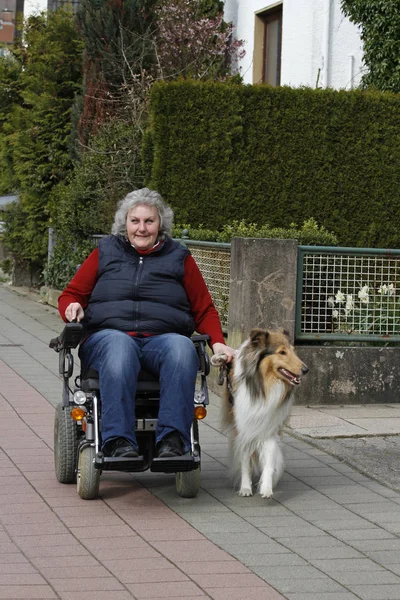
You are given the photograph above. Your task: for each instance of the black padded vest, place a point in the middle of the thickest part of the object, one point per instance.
(140, 293)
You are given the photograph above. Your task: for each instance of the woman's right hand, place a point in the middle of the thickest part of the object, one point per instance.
(74, 311)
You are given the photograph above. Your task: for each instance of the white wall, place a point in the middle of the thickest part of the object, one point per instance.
(309, 30)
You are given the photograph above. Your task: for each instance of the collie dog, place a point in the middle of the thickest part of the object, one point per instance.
(260, 384)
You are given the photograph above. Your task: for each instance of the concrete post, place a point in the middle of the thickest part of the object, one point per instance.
(262, 287)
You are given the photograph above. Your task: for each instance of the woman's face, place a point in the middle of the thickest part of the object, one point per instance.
(142, 226)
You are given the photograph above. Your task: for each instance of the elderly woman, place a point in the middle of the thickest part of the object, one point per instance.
(141, 296)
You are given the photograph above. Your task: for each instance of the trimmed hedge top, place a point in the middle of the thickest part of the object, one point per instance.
(220, 152)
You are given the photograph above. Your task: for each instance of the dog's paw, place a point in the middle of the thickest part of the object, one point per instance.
(266, 492)
(219, 360)
(245, 492)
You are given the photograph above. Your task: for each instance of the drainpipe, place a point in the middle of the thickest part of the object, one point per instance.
(326, 42)
(351, 71)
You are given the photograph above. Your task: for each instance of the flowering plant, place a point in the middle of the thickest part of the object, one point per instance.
(373, 311)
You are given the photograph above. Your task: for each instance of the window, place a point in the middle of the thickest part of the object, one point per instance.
(267, 46)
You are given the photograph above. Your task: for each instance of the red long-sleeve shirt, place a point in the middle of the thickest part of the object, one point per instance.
(201, 305)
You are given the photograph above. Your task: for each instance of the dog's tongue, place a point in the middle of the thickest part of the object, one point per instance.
(290, 376)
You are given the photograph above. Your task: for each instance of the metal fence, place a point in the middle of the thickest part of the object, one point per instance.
(348, 294)
(214, 262)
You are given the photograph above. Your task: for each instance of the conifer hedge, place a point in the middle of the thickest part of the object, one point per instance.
(223, 151)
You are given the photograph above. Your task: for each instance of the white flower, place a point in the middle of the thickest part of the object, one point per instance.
(331, 301)
(349, 303)
(335, 314)
(383, 290)
(363, 294)
(340, 297)
(391, 289)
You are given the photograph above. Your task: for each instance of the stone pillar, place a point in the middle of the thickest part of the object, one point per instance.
(262, 287)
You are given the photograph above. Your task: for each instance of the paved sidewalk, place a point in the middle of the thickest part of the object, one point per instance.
(330, 533)
(345, 421)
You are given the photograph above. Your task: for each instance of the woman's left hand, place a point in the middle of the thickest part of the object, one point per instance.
(219, 348)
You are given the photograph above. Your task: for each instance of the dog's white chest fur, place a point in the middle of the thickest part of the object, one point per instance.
(256, 419)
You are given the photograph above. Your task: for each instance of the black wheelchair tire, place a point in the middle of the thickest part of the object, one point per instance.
(65, 445)
(187, 483)
(88, 477)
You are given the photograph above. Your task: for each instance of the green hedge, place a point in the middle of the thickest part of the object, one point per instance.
(220, 152)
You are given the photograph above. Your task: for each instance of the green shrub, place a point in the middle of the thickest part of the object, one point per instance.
(6, 266)
(309, 234)
(63, 264)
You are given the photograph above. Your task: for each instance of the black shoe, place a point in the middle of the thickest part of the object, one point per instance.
(170, 446)
(119, 448)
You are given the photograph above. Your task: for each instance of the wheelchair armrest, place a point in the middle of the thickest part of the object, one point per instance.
(70, 337)
(200, 338)
(200, 343)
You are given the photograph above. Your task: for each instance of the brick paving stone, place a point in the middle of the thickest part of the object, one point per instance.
(189, 551)
(26, 592)
(55, 551)
(323, 596)
(152, 576)
(254, 593)
(17, 568)
(223, 567)
(376, 592)
(100, 595)
(82, 570)
(126, 553)
(87, 585)
(177, 589)
(57, 563)
(21, 579)
(136, 563)
(112, 531)
(229, 580)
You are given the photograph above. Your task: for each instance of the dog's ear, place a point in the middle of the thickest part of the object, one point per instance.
(259, 337)
(285, 332)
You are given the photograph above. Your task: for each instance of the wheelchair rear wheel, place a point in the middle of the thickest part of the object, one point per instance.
(187, 483)
(88, 477)
(65, 445)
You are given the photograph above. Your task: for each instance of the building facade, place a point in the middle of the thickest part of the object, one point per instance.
(9, 10)
(297, 43)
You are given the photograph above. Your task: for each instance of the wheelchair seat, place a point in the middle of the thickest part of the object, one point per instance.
(146, 383)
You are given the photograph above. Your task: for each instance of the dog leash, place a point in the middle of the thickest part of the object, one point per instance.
(223, 375)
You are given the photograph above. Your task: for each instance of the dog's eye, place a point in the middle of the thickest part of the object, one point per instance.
(283, 352)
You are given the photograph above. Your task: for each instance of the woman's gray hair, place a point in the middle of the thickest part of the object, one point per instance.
(145, 197)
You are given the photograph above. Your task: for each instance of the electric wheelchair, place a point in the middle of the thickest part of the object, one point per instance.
(77, 424)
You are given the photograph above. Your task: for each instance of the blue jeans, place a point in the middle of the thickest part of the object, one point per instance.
(118, 358)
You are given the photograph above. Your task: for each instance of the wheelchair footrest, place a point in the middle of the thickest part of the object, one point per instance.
(130, 465)
(176, 464)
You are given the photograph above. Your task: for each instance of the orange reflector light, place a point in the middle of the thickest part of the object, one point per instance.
(78, 413)
(200, 412)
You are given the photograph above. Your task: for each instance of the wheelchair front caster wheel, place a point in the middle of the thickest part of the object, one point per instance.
(187, 483)
(88, 477)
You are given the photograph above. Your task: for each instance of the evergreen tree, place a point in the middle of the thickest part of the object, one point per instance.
(118, 37)
(44, 74)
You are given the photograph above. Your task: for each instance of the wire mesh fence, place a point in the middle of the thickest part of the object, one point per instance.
(214, 262)
(345, 293)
